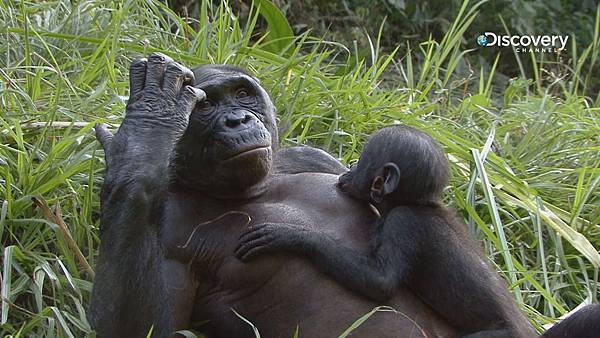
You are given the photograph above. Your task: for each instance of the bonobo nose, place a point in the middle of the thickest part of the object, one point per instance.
(238, 119)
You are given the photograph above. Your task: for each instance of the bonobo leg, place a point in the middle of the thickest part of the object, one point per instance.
(131, 293)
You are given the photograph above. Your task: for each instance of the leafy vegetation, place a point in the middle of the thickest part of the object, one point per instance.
(525, 155)
(411, 22)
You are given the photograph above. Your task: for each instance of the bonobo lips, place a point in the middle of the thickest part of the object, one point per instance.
(244, 144)
(343, 182)
(255, 151)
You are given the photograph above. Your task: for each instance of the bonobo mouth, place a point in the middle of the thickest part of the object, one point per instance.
(249, 152)
(343, 182)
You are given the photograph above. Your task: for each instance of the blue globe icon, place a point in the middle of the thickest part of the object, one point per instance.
(482, 40)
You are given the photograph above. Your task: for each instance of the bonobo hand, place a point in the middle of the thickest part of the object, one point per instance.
(161, 92)
(270, 237)
(161, 99)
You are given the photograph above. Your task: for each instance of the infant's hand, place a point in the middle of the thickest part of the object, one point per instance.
(267, 237)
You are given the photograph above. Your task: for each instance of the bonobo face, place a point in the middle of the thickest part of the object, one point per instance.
(345, 182)
(228, 145)
(357, 181)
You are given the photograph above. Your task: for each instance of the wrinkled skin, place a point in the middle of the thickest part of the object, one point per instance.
(185, 176)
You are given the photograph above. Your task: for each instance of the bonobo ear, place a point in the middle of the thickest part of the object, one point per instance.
(377, 189)
(391, 175)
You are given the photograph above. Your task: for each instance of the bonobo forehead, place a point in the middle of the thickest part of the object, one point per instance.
(220, 73)
(221, 81)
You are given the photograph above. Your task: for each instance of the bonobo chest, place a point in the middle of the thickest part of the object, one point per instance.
(204, 232)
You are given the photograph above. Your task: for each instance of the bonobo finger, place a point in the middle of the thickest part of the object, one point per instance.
(190, 96)
(103, 136)
(262, 239)
(253, 252)
(253, 233)
(250, 239)
(155, 69)
(243, 250)
(259, 226)
(251, 229)
(137, 77)
(175, 76)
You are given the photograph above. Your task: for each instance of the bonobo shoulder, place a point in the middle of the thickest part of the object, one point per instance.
(302, 159)
(424, 219)
(425, 213)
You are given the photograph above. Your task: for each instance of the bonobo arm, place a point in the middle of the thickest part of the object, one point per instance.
(137, 159)
(375, 274)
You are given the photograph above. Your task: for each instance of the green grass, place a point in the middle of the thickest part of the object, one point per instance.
(525, 156)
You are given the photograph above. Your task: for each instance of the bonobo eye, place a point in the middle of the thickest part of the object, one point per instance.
(243, 96)
(206, 105)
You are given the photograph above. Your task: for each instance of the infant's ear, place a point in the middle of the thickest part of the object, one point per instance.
(376, 193)
(391, 175)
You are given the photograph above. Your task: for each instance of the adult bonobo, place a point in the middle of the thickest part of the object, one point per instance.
(185, 176)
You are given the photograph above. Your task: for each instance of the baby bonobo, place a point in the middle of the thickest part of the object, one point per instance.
(417, 241)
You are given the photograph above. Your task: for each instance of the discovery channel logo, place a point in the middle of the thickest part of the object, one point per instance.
(525, 43)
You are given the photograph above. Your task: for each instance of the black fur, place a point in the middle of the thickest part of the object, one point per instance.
(170, 136)
(187, 170)
(584, 323)
(417, 241)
